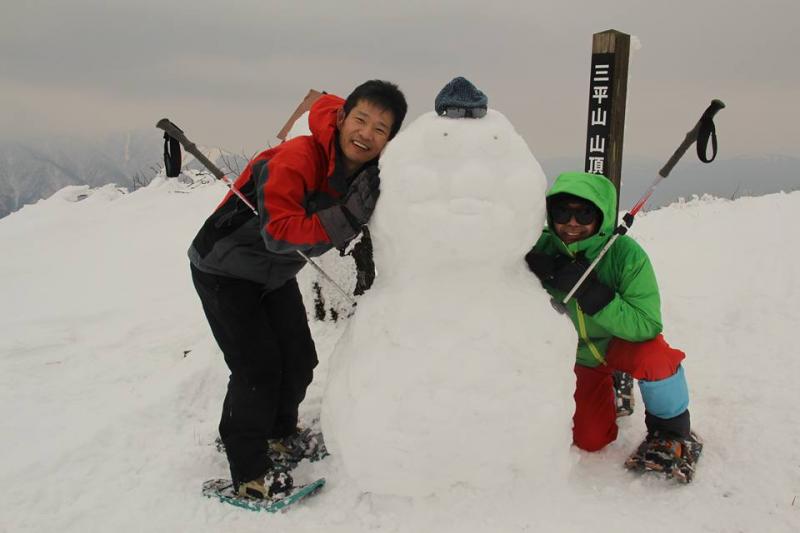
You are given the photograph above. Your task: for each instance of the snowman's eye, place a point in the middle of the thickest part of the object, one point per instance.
(496, 145)
(444, 142)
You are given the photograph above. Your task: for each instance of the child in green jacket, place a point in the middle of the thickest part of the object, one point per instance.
(617, 313)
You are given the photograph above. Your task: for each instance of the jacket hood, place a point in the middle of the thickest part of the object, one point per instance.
(596, 189)
(322, 123)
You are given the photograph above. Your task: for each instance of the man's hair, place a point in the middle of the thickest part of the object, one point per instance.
(383, 94)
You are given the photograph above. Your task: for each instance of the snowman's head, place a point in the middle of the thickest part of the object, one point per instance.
(458, 190)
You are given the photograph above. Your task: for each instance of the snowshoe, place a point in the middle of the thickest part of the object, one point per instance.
(303, 444)
(287, 452)
(274, 485)
(224, 491)
(674, 457)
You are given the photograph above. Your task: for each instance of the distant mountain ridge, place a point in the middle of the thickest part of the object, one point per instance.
(34, 169)
(725, 178)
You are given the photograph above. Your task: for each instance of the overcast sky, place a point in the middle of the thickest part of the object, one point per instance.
(230, 74)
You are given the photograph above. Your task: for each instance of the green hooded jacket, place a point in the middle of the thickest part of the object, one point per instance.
(635, 312)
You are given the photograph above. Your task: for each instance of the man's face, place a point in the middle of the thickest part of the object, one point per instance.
(574, 221)
(363, 132)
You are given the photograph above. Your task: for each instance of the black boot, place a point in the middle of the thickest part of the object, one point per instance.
(677, 427)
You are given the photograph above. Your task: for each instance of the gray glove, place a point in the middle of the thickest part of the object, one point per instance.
(363, 195)
(343, 222)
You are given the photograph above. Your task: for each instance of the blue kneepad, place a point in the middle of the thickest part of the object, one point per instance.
(666, 398)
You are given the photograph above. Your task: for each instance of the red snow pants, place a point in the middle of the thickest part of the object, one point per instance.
(595, 419)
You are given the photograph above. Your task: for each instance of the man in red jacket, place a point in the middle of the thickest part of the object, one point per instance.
(313, 193)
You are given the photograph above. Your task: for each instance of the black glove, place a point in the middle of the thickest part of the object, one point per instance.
(567, 275)
(343, 222)
(592, 295)
(543, 265)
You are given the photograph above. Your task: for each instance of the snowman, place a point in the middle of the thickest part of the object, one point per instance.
(455, 371)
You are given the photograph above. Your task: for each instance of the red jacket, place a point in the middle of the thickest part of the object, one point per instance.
(288, 184)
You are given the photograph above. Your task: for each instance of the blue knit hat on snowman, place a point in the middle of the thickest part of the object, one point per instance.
(461, 99)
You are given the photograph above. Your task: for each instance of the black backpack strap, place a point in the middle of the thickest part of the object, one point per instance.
(172, 156)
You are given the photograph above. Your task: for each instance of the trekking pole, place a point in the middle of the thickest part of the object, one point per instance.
(176, 133)
(703, 130)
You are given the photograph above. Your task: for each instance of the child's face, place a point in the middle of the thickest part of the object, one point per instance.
(574, 221)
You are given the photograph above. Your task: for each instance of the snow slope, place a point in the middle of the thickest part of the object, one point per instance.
(110, 382)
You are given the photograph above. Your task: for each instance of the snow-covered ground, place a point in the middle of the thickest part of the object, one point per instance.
(111, 384)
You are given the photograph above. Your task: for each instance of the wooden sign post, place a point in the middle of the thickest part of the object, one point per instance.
(608, 85)
(608, 88)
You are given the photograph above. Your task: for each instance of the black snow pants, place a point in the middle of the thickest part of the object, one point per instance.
(268, 348)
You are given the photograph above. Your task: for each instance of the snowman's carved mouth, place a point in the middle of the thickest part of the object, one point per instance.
(467, 206)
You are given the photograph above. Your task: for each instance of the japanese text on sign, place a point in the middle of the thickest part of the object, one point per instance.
(599, 127)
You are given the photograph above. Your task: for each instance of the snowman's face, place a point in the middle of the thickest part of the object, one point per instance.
(468, 189)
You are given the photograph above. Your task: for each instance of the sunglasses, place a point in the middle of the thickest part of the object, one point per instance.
(461, 112)
(584, 215)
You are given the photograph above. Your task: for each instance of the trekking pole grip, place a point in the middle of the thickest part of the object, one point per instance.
(176, 133)
(691, 136)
